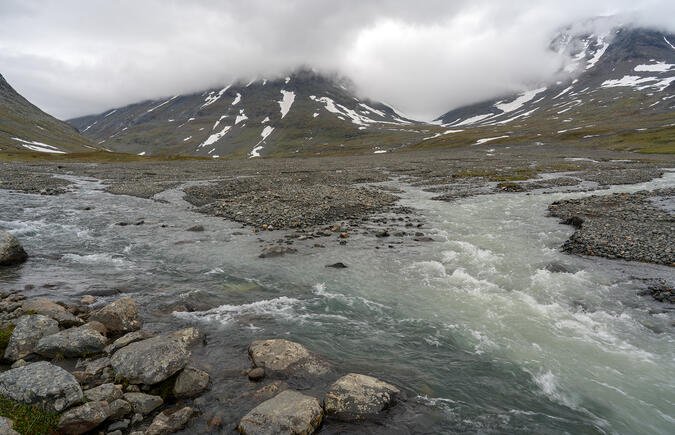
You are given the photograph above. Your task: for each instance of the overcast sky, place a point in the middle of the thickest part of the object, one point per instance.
(76, 57)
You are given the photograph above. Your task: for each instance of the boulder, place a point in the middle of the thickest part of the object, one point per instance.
(105, 392)
(94, 372)
(190, 382)
(83, 418)
(71, 343)
(143, 403)
(119, 317)
(189, 336)
(355, 397)
(150, 361)
(170, 421)
(289, 412)
(280, 356)
(257, 374)
(118, 409)
(127, 339)
(27, 332)
(41, 384)
(6, 426)
(11, 251)
(48, 308)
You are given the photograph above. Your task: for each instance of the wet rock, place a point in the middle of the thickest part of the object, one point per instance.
(170, 421)
(127, 339)
(338, 265)
(50, 309)
(27, 332)
(106, 392)
(150, 361)
(285, 357)
(6, 426)
(87, 300)
(190, 382)
(189, 336)
(41, 384)
(257, 374)
(143, 403)
(119, 317)
(277, 251)
(355, 396)
(83, 418)
(382, 233)
(289, 412)
(11, 251)
(119, 408)
(196, 228)
(423, 239)
(71, 343)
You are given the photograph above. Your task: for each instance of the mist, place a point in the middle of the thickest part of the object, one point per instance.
(72, 58)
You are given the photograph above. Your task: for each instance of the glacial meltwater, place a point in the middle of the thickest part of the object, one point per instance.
(474, 327)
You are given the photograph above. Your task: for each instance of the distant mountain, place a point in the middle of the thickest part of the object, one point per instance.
(618, 91)
(24, 127)
(304, 113)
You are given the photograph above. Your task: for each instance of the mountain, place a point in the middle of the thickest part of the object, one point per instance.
(304, 113)
(618, 91)
(24, 127)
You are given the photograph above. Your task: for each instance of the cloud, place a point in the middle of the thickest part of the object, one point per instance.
(78, 57)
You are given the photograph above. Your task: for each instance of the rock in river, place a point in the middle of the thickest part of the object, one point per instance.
(289, 412)
(71, 343)
(119, 317)
(355, 397)
(169, 422)
(28, 331)
(41, 384)
(150, 361)
(287, 358)
(190, 382)
(11, 251)
(50, 309)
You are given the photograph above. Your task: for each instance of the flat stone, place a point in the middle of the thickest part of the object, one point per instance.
(50, 309)
(289, 412)
(127, 339)
(71, 343)
(190, 382)
(150, 361)
(27, 332)
(189, 336)
(11, 251)
(355, 397)
(169, 422)
(105, 392)
(83, 418)
(286, 357)
(41, 384)
(143, 403)
(119, 317)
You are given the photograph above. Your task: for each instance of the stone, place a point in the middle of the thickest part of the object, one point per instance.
(106, 392)
(277, 251)
(338, 265)
(150, 361)
(382, 233)
(87, 300)
(11, 251)
(289, 412)
(127, 339)
(71, 343)
(50, 309)
(356, 397)
(119, 317)
(19, 363)
(6, 426)
(142, 403)
(189, 336)
(256, 374)
(190, 382)
(27, 332)
(41, 384)
(119, 425)
(118, 409)
(280, 356)
(196, 228)
(97, 326)
(83, 418)
(169, 422)
(94, 372)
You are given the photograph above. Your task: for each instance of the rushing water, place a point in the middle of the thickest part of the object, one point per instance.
(481, 336)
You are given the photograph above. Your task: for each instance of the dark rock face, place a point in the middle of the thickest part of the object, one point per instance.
(150, 361)
(119, 317)
(41, 384)
(11, 251)
(289, 412)
(83, 418)
(27, 333)
(355, 397)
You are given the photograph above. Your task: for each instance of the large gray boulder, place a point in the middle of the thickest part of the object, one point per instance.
(289, 412)
(11, 251)
(280, 356)
(356, 397)
(27, 332)
(83, 418)
(169, 422)
(150, 361)
(94, 372)
(106, 392)
(41, 384)
(119, 317)
(50, 309)
(72, 343)
(190, 382)
(127, 339)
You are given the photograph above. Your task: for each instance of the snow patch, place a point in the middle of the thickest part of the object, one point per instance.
(255, 152)
(655, 67)
(215, 137)
(519, 101)
(488, 139)
(639, 82)
(267, 119)
(668, 42)
(237, 99)
(110, 113)
(160, 105)
(241, 117)
(141, 154)
(38, 146)
(598, 54)
(286, 101)
(211, 98)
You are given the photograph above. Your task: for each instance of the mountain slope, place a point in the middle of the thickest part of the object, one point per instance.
(305, 113)
(24, 127)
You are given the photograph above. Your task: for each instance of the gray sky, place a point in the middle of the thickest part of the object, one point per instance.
(77, 57)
